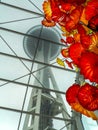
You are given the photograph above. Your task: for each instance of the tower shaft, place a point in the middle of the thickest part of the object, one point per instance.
(46, 106)
(42, 102)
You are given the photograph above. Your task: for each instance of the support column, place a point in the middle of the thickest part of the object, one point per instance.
(77, 123)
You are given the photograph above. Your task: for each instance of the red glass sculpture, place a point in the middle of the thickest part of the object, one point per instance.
(78, 20)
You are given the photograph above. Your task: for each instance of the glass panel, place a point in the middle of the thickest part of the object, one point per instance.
(49, 103)
(30, 4)
(13, 69)
(26, 82)
(89, 124)
(8, 120)
(12, 95)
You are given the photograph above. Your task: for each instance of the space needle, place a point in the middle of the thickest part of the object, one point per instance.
(42, 47)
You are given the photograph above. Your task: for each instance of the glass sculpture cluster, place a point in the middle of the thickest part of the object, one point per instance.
(78, 21)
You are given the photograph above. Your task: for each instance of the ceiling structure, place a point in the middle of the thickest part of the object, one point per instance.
(18, 70)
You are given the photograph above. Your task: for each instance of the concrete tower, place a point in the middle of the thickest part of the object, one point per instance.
(41, 48)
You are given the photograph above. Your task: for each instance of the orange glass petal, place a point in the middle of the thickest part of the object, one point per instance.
(77, 107)
(48, 23)
(77, 37)
(65, 52)
(83, 17)
(47, 9)
(94, 46)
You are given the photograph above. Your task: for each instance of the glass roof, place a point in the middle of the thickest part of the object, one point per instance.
(19, 72)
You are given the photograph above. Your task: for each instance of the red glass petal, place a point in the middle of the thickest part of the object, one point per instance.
(71, 93)
(91, 9)
(75, 52)
(70, 40)
(78, 2)
(93, 23)
(89, 66)
(88, 97)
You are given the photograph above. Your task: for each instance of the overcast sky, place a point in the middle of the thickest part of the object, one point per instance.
(12, 95)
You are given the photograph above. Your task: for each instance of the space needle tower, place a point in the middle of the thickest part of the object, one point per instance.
(40, 48)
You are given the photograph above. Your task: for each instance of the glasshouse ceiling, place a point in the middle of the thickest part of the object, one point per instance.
(25, 67)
